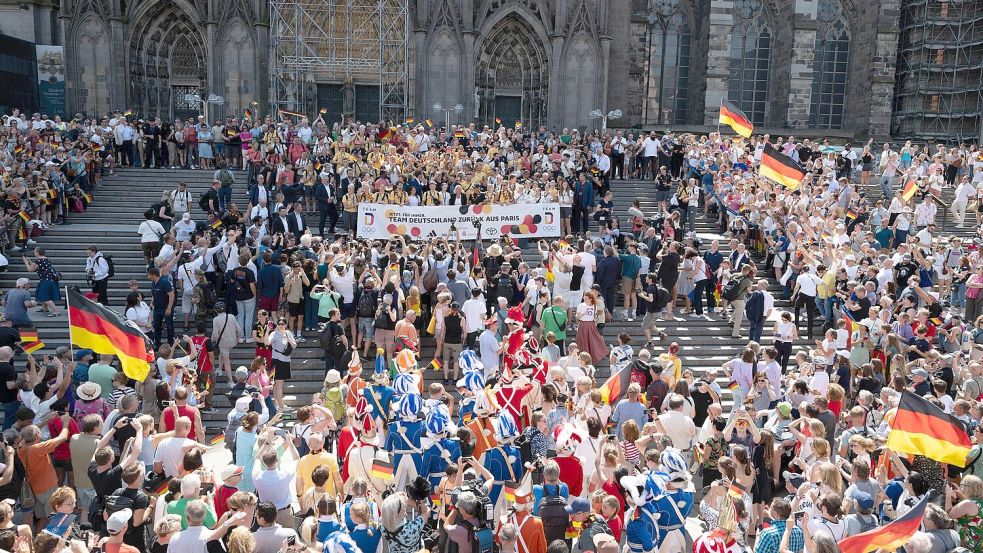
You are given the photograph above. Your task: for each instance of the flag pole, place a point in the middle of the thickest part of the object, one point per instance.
(720, 138)
(68, 311)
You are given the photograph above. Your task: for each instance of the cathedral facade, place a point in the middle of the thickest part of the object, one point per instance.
(791, 65)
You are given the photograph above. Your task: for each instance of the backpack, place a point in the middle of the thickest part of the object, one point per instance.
(366, 305)
(867, 523)
(553, 512)
(207, 297)
(225, 177)
(505, 289)
(754, 309)
(334, 400)
(203, 202)
(482, 539)
(110, 266)
(641, 373)
(230, 434)
(729, 291)
(661, 299)
(430, 279)
(117, 501)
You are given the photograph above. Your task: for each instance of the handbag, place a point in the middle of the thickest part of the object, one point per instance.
(287, 350)
(432, 325)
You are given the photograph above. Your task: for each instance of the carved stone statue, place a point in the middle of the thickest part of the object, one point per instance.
(477, 102)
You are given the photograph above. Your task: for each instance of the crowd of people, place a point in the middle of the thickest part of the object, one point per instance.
(465, 403)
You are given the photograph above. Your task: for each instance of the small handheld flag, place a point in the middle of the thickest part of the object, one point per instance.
(410, 120)
(247, 113)
(510, 488)
(616, 386)
(733, 385)
(24, 216)
(429, 123)
(161, 488)
(910, 188)
(216, 224)
(736, 490)
(382, 469)
(436, 364)
(218, 439)
(458, 134)
(498, 120)
(518, 124)
(322, 111)
(851, 214)
(290, 113)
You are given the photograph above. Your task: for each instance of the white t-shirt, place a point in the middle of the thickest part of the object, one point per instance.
(819, 382)
(170, 454)
(151, 231)
(192, 541)
(650, 147)
(473, 309)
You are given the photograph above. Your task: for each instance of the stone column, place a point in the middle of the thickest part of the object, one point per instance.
(555, 119)
(884, 65)
(468, 78)
(804, 25)
(119, 85)
(418, 93)
(718, 57)
(616, 45)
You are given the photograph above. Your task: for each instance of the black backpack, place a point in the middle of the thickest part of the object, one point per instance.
(203, 202)
(366, 305)
(208, 297)
(553, 512)
(110, 267)
(754, 309)
(661, 299)
(729, 291)
(504, 289)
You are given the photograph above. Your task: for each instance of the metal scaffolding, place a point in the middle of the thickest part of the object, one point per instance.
(341, 42)
(939, 90)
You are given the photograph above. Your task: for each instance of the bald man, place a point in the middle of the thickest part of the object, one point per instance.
(170, 452)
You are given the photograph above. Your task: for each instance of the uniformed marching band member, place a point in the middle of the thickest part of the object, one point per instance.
(503, 460)
(379, 395)
(403, 440)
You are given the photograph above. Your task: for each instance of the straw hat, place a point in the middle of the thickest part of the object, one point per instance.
(89, 391)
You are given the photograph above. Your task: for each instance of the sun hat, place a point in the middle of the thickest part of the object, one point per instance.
(89, 391)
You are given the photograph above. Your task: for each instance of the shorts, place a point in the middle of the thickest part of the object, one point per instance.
(628, 286)
(384, 338)
(42, 504)
(366, 326)
(64, 464)
(85, 498)
(650, 322)
(347, 310)
(269, 304)
(281, 370)
(565, 212)
(451, 352)
(663, 195)
(47, 290)
(295, 309)
(186, 305)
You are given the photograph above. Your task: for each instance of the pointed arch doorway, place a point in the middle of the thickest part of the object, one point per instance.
(512, 76)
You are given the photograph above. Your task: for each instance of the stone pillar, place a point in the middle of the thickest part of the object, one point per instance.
(804, 25)
(884, 64)
(555, 119)
(119, 85)
(261, 31)
(615, 47)
(718, 57)
(468, 77)
(418, 93)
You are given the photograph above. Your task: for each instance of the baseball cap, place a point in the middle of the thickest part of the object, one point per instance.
(118, 521)
(864, 500)
(578, 505)
(230, 471)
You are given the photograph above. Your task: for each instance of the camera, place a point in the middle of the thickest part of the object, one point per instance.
(486, 511)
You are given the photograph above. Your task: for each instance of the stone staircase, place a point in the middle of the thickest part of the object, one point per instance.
(120, 200)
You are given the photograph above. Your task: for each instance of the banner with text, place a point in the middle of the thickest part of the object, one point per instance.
(51, 79)
(518, 220)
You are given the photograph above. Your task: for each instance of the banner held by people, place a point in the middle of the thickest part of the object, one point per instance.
(523, 221)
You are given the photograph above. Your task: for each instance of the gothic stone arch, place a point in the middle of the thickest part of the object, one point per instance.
(166, 60)
(512, 70)
(89, 63)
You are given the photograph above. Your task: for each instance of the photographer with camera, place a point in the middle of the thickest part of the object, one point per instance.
(403, 521)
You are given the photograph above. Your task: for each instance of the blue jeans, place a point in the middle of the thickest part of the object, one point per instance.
(160, 321)
(244, 315)
(825, 307)
(310, 313)
(958, 298)
(270, 405)
(699, 289)
(757, 328)
(9, 413)
(224, 197)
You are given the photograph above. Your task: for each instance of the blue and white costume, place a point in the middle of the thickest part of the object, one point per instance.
(503, 461)
(675, 503)
(403, 441)
(442, 450)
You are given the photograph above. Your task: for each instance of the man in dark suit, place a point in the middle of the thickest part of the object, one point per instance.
(607, 276)
(583, 204)
(297, 220)
(279, 223)
(259, 191)
(327, 203)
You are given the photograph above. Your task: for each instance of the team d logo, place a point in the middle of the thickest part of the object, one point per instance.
(548, 218)
(368, 219)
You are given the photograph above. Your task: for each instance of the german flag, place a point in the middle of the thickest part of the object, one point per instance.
(33, 346)
(382, 469)
(216, 224)
(436, 364)
(24, 216)
(429, 123)
(323, 111)
(87, 197)
(910, 188)
(247, 113)
(851, 214)
(736, 490)
(733, 385)
(616, 386)
(458, 134)
(21, 234)
(384, 133)
(780, 168)
(889, 537)
(550, 277)
(103, 331)
(410, 120)
(510, 488)
(218, 439)
(162, 487)
(734, 118)
(498, 120)
(435, 499)
(29, 340)
(52, 193)
(923, 429)
(852, 329)
(518, 124)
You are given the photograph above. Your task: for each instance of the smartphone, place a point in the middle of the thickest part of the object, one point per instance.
(291, 541)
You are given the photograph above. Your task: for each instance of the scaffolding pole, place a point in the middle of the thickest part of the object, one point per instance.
(346, 42)
(939, 96)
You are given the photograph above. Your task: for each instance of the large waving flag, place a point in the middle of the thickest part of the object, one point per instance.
(780, 168)
(923, 429)
(616, 386)
(734, 118)
(103, 331)
(888, 537)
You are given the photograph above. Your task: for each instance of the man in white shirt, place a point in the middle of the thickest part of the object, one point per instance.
(925, 212)
(964, 193)
(678, 425)
(490, 347)
(650, 153)
(473, 310)
(618, 145)
(181, 200)
(170, 452)
(273, 483)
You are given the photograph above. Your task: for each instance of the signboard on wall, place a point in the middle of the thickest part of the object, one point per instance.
(51, 79)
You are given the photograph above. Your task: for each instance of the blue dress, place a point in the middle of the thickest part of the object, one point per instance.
(367, 538)
(245, 446)
(204, 146)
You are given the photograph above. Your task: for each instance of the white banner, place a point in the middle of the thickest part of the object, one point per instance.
(517, 220)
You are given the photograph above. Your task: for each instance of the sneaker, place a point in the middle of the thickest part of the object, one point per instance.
(31, 242)
(301, 340)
